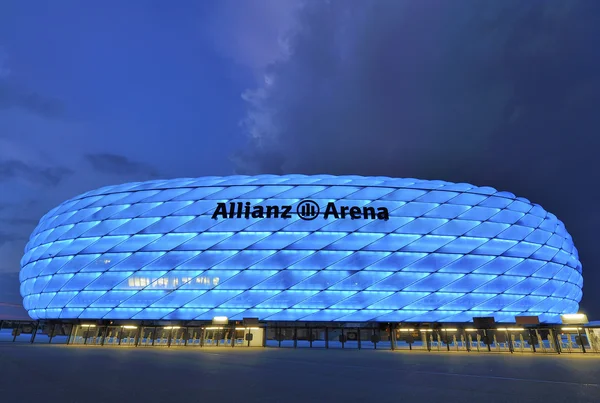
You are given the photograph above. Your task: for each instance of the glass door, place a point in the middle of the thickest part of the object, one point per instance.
(212, 336)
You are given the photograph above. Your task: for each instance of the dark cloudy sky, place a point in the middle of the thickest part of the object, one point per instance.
(503, 93)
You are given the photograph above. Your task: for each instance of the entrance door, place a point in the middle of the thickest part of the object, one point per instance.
(224, 336)
(257, 336)
(249, 336)
(573, 340)
(240, 337)
(112, 336)
(194, 335)
(214, 336)
(86, 335)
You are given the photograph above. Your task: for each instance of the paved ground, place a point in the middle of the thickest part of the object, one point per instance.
(68, 374)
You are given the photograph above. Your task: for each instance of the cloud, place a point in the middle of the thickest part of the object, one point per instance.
(253, 33)
(254, 160)
(49, 176)
(6, 237)
(114, 164)
(407, 89)
(13, 95)
(359, 81)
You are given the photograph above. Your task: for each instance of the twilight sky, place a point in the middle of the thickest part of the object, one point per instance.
(499, 93)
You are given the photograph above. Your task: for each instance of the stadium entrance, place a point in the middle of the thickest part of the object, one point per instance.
(167, 336)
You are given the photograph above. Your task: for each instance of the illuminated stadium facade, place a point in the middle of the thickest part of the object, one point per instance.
(396, 250)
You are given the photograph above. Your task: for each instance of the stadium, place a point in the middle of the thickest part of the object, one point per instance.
(365, 251)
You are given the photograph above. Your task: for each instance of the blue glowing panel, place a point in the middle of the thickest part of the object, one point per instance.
(189, 249)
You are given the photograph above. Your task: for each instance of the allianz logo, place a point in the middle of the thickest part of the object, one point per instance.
(306, 209)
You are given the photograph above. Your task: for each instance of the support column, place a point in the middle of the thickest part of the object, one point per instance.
(278, 331)
(37, 325)
(51, 333)
(71, 333)
(16, 332)
(104, 333)
(373, 339)
(555, 341)
(590, 338)
(170, 337)
(295, 337)
(581, 342)
(138, 335)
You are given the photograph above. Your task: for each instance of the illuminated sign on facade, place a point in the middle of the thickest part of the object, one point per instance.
(306, 209)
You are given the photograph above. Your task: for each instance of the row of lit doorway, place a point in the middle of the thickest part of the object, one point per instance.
(167, 336)
(509, 339)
